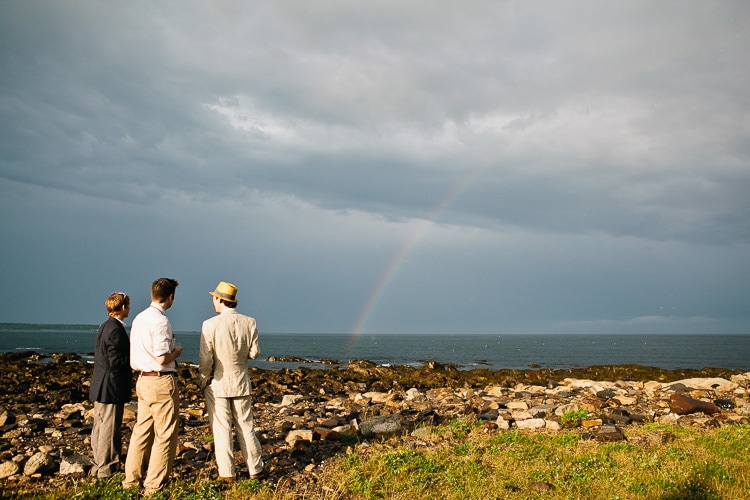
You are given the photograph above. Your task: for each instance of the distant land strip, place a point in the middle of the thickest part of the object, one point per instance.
(43, 326)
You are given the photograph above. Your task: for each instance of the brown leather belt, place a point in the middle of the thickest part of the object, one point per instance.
(156, 374)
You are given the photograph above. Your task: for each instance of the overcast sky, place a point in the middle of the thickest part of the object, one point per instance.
(380, 167)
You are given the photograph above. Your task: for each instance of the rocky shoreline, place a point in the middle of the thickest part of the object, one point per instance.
(305, 416)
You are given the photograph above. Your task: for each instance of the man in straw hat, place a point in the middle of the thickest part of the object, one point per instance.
(228, 340)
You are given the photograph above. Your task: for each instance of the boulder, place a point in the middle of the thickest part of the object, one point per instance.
(299, 435)
(381, 426)
(684, 405)
(8, 469)
(713, 383)
(609, 433)
(39, 463)
(74, 464)
(531, 424)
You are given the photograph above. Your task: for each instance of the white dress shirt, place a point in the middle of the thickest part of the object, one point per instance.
(151, 337)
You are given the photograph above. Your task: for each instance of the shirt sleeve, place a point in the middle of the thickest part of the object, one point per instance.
(205, 358)
(162, 341)
(254, 349)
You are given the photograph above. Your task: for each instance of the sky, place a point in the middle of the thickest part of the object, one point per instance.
(485, 167)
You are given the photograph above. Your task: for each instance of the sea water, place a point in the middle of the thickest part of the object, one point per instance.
(468, 351)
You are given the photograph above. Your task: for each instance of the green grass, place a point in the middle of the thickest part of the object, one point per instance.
(696, 465)
(466, 462)
(111, 489)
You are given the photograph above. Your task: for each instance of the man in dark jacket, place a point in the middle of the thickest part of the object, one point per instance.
(111, 386)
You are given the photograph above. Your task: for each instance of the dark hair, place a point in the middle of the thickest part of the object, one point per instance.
(227, 303)
(162, 288)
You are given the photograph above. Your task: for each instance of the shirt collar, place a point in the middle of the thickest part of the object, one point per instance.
(159, 308)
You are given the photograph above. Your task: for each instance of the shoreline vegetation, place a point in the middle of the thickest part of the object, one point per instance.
(10, 327)
(365, 431)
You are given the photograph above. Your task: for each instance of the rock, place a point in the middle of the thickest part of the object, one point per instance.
(726, 404)
(495, 391)
(609, 433)
(346, 430)
(668, 419)
(552, 425)
(66, 357)
(717, 384)
(299, 435)
(531, 424)
(7, 418)
(625, 400)
(660, 437)
(606, 394)
(620, 416)
(39, 463)
(326, 434)
(129, 413)
(291, 399)
(541, 486)
(75, 464)
(378, 397)
(596, 422)
(381, 426)
(521, 415)
(286, 359)
(413, 394)
(637, 417)
(541, 411)
(8, 469)
(684, 405)
(488, 415)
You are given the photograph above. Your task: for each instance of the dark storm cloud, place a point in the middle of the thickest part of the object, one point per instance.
(592, 159)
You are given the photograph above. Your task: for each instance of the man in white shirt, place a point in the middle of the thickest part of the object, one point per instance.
(153, 444)
(228, 340)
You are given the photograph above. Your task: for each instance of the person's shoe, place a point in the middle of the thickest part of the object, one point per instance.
(226, 479)
(259, 475)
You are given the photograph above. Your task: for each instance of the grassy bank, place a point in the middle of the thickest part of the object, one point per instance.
(464, 460)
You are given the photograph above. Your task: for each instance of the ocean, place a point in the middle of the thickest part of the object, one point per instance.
(468, 351)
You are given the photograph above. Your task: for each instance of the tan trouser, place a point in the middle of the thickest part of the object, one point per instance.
(153, 444)
(222, 412)
(106, 438)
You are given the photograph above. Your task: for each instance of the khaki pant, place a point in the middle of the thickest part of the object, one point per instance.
(153, 444)
(222, 412)
(106, 438)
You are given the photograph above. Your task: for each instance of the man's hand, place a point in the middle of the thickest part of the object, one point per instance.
(169, 357)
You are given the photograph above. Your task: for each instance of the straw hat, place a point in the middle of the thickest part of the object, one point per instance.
(225, 291)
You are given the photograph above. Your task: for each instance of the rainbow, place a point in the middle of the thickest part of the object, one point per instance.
(402, 256)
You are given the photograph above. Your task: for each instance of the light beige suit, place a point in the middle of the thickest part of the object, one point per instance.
(228, 340)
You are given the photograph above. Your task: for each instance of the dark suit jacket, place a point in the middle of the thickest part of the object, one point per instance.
(112, 379)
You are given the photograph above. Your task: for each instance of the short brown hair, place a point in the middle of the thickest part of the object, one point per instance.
(116, 302)
(228, 303)
(162, 288)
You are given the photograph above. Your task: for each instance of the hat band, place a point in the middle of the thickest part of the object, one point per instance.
(224, 295)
